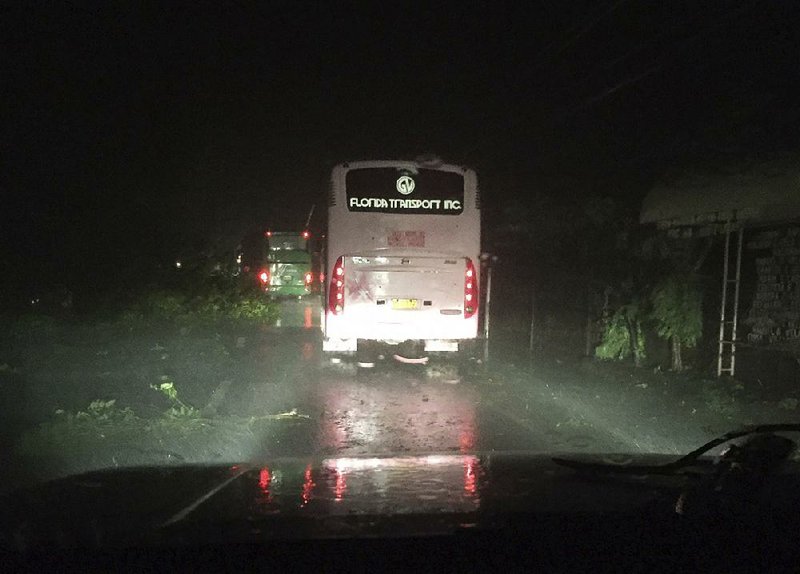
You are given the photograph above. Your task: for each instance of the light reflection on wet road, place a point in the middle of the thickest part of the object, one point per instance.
(300, 313)
(391, 412)
(392, 409)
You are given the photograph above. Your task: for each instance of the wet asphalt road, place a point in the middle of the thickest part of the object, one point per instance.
(267, 392)
(393, 408)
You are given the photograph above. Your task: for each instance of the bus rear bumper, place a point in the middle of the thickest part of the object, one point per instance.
(334, 345)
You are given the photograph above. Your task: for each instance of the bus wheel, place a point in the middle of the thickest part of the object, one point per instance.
(366, 355)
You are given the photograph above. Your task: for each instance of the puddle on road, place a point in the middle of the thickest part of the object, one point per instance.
(388, 412)
(303, 314)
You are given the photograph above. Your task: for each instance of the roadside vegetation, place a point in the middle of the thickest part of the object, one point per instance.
(106, 435)
(625, 290)
(96, 388)
(218, 301)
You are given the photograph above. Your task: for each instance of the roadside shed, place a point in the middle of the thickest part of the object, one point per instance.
(755, 207)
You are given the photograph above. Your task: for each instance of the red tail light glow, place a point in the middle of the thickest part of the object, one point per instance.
(309, 278)
(308, 486)
(264, 479)
(336, 288)
(306, 235)
(263, 276)
(470, 290)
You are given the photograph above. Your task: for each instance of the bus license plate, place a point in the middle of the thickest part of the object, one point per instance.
(405, 303)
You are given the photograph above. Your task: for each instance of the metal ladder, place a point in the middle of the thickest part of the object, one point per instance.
(729, 308)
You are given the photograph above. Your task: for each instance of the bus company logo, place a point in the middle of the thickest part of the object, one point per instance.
(405, 184)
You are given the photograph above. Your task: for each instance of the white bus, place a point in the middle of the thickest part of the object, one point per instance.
(403, 259)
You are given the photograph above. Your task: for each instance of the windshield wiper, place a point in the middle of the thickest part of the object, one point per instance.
(686, 460)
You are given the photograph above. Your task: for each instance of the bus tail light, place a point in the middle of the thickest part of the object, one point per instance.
(263, 276)
(308, 278)
(336, 289)
(470, 290)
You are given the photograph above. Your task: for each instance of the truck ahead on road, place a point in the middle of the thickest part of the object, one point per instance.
(402, 259)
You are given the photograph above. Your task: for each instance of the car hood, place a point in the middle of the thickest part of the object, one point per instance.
(319, 498)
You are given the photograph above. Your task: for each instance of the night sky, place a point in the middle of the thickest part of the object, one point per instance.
(137, 132)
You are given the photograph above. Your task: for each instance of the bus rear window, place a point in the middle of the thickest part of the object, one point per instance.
(392, 190)
(287, 242)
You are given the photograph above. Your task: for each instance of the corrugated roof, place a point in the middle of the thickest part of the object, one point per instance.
(765, 192)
